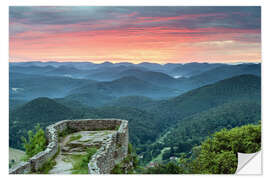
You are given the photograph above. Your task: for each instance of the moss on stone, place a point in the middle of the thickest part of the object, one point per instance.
(74, 137)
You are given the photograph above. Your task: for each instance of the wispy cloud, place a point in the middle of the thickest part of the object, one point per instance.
(134, 33)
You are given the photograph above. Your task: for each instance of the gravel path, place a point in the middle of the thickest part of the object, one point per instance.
(61, 167)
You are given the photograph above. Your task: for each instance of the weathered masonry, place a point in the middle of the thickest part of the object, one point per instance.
(113, 150)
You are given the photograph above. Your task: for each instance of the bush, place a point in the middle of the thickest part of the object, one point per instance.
(128, 165)
(35, 143)
(117, 169)
(218, 154)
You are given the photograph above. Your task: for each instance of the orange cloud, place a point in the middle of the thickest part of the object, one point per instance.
(135, 38)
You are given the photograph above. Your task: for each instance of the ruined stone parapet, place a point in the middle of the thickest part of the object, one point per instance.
(21, 168)
(112, 151)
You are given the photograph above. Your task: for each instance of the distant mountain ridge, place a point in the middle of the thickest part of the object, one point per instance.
(172, 69)
(225, 71)
(115, 80)
(27, 87)
(126, 86)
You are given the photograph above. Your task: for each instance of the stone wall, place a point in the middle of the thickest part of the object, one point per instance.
(112, 151)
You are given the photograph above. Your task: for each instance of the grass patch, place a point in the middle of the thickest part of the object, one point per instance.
(47, 166)
(92, 133)
(80, 161)
(87, 140)
(107, 132)
(117, 127)
(74, 137)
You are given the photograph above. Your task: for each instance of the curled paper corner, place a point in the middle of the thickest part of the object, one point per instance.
(249, 163)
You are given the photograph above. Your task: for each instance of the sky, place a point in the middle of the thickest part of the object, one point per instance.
(135, 34)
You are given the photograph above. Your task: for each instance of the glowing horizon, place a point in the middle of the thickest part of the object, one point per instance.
(135, 34)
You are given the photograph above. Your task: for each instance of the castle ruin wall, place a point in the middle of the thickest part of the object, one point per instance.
(112, 151)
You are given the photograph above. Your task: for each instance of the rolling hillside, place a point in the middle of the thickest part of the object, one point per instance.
(194, 129)
(156, 78)
(127, 86)
(236, 88)
(91, 98)
(192, 69)
(112, 73)
(139, 102)
(222, 72)
(26, 87)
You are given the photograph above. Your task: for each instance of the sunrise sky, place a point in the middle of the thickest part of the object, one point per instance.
(135, 34)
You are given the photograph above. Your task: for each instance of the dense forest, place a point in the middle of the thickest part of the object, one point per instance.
(217, 154)
(191, 131)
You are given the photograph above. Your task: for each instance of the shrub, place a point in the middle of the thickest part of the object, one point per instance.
(35, 143)
(218, 155)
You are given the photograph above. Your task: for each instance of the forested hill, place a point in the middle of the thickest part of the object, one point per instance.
(216, 155)
(44, 111)
(147, 123)
(220, 73)
(126, 86)
(243, 87)
(192, 130)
